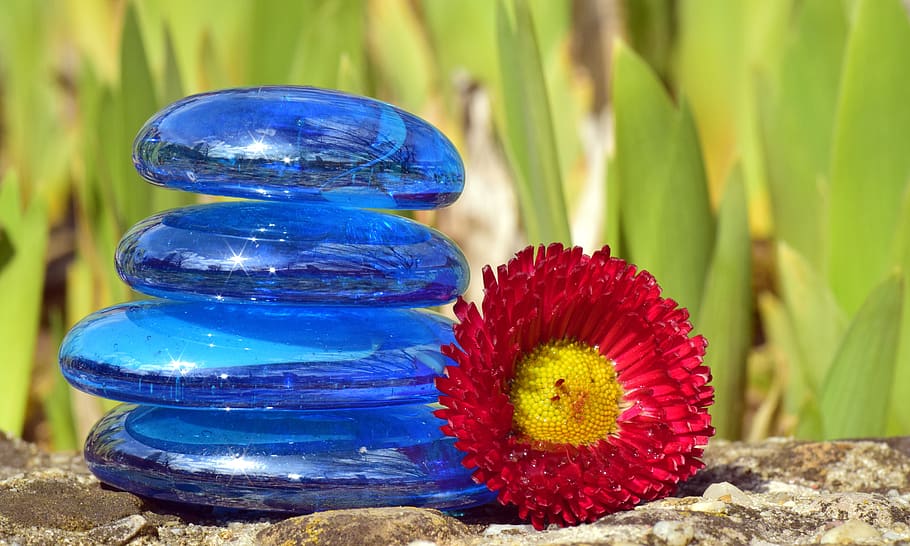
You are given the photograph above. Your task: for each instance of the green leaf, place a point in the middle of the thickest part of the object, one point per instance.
(900, 411)
(200, 31)
(800, 407)
(722, 45)
(870, 164)
(856, 393)
(34, 135)
(332, 40)
(212, 73)
(612, 235)
(109, 206)
(649, 26)
(274, 35)
(816, 325)
(818, 322)
(401, 53)
(129, 107)
(21, 283)
(173, 84)
(137, 85)
(551, 21)
(529, 136)
(57, 404)
(6, 249)
(567, 100)
(58, 408)
(666, 217)
(725, 318)
(465, 46)
(135, 102)
(802, 110)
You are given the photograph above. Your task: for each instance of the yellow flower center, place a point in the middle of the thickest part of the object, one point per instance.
(565, 392)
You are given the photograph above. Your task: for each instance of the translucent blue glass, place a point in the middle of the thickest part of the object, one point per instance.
(300, 144)
(283, 461)
(290, 253)
(192, 354)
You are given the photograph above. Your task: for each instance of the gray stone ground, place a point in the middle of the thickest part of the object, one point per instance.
(774, 492)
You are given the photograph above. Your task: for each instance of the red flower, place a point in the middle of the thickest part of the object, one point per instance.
(579, 391)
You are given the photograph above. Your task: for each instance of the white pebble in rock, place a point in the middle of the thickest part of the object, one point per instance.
(851, 531)
(727, 492)
(507, 529)
(118, 532)
(674, 533)
(710, 506)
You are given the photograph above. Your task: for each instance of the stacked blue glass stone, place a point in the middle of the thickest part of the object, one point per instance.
(285, 361)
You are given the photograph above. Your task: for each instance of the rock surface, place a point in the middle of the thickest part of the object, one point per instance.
(774, 492)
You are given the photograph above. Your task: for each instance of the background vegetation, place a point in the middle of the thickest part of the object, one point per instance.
(752, 155)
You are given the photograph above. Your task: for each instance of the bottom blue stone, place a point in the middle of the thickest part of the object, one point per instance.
(288, 461)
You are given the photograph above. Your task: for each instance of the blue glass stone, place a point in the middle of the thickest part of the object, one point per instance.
(291, 253)
(301, 144)
(283, 461)
(193, 354)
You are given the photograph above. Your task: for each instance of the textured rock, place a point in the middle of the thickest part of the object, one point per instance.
(776, 492)
(365, 527)
(53, 499)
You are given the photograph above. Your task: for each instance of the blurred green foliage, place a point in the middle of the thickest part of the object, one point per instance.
(757, 165)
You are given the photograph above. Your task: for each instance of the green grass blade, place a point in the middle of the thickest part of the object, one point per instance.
(800, 406)
(722, 45)
(97, 230)
(529, 136)
(172, 86)
(212, 73)
(57, 406)
(870, 165)
(136, 102)
(612, 235)
(274, 35)
(856, 393)
(132, 104)
(801, 109)
(568, 102)
(58, 409)
(6, 249)
(401, 54)
(137, 84)
(21, 283)
(900, 406)
(685, 220)
(649, 27)
(666, 216)
(332, 37)
(34, 137)
(818, 322)
(201, 31)
(726, 311)
(465, 46)
(644, 116)
(109, 208)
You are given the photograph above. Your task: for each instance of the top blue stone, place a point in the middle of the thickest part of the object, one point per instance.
(300, 144)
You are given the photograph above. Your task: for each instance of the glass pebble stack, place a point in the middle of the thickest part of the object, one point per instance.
(285, 361)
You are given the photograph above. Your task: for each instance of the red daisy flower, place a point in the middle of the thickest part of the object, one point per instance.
(579, 391)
